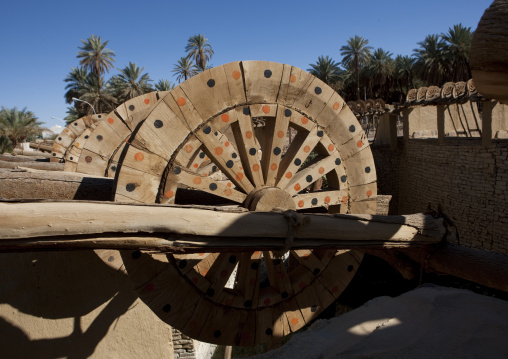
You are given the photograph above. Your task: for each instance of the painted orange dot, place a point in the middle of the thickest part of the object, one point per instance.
(229, 184)
(224, 117)
(226, 144)
(127, 139)
(336, 106)
(228, 192)
(188, 148)
(256, 253)
(301, 203)
(369, 193)
(197, 180)
(239, 176)
(77, 144)
(205, 174)
(288, 175)
(331, 147)
(294, 321)
(280, 134)
(139, 157)
(273, 166)
(169, 194)
(236, 75)
(67, 130)
(255, 167)
(205, 272)
(195, 165)
(292, 78)
(218, 151)
(297, 187)
(327, 199)
(266, 109)
(180, 101)
(306, 149)
(305, 120)
(321, 170)
(207, 159)
(147, 101)
(267, 301)
(241, 168)
(110, 120)
(248, 134)
(359, 143)
(344, 199)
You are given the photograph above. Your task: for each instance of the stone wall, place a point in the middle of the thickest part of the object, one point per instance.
(469, 182)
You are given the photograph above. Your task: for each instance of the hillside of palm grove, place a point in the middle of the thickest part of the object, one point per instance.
(362, 72)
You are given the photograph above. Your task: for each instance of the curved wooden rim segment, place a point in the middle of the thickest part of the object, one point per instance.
(224, 132)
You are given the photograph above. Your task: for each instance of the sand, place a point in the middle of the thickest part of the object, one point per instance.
(429, 322)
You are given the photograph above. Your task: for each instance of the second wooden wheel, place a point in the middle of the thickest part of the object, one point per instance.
(259, 135)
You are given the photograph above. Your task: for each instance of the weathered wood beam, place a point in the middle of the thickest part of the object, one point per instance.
(45, 166)
(77, 225)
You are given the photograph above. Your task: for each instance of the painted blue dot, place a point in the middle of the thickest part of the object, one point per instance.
(99, 138)
(314, 201)
(216, 133)
(268, 74)
(157, 124)
(298, 162)
(277, 151)
(177, 170)
(214, 168)
(252, 151)
(343, 179)
(201, 155)
(211, 83)
(367, 169)
(308, 178)
(246, 111)
(130, 187)
(337, 161)
(213, 186)
(234, 155)
(287, 112)
(352, 128)
(318, 90)
(229, 164)
(207, 130)
(320, 133)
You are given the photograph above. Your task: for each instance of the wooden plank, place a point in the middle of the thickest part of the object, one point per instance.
(137, 109)
(343, 126)
(77, 127)
(336, 110)
(219, 274)
(144, 161)
(262, 81)
(312, 173)
(105, 138)
(314, 99)
(137, 185)
(363, 192)
(92, 163)
(234, 76)
(295, 82)
(356, 144)
(181, 105)
(360, 168)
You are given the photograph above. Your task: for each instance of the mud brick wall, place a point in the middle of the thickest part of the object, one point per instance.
(183, 345)
(469, 182)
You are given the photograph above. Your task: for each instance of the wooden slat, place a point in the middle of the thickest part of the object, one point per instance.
(312, 173)
(219, 273)
(181, 105)
(234, 77)
(297, 153)
(273, 145)
(92, 163)
(361, 168)
(137, 185)
(314, 99)
(247, 282)
(294, 83)
(321, 199)
(136, 109)
(262, 81)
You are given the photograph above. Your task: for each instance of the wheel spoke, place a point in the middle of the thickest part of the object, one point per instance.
(278, 275)
(320, 199)
(219, 273)
(276, 131)
(311, 174)
(219, 188)
(296, 155)
(306, 258)
(247, 147)
(247, 283)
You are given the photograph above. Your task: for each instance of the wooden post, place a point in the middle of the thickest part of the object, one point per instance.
(487, 123)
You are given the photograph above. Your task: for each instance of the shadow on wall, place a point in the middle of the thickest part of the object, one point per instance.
(58, 285)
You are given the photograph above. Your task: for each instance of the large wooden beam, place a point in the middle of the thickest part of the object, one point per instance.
(77, 225)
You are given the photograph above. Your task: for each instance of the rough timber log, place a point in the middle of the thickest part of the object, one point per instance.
(489, 53)
(78, 225)
(46, 166)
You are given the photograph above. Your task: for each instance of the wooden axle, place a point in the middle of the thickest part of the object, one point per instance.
(79, 224)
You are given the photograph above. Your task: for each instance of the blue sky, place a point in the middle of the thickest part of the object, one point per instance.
(40, 39)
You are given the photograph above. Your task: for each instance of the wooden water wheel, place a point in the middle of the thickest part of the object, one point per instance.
(235, 121)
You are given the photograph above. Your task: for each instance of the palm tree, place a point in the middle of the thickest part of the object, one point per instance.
(18, 125)
(380, 70)
(75, 79)
(72, 115)
(199, 51)
(130, 82)
(184, 69)
(98, 94)
(430, 61)
(164, 85)
(326, 70)
(95, 57)
(355, 55)
(457, 49)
